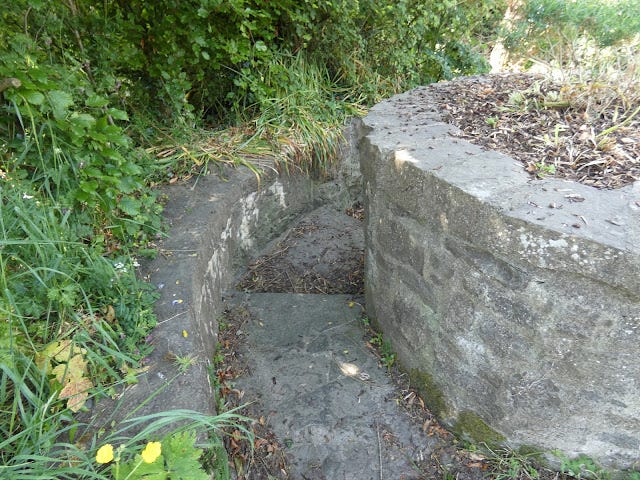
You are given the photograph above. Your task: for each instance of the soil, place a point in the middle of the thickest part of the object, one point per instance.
(586, 132)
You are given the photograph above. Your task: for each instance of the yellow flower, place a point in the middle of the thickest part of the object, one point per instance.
(105, 453)
(151, 452)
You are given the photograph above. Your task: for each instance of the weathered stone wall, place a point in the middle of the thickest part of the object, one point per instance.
(515, 307)
(215, 224)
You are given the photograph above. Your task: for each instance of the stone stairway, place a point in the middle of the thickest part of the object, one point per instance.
(308, 367)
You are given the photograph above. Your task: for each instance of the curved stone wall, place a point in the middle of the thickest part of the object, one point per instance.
(216, 223)
(515, 307)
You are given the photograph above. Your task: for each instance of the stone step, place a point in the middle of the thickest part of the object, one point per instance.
(323, 391)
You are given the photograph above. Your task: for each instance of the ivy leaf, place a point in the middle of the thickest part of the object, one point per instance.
(182, 457)
(60, 102)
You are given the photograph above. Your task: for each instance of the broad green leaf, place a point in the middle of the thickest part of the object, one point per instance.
(111, 153)
(146, 471)
(182, 457)
(34, 98)
(60, 102)
(118, 114)
(83, 119)
(129, 184)
(92, 172)
(96, 101)
(131, 168)
(130, 206)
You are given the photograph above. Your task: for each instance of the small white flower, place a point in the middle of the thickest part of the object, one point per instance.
(27, 197)
(135, 263)
(119, 266)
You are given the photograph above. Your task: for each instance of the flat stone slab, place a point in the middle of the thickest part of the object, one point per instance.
(323, 392)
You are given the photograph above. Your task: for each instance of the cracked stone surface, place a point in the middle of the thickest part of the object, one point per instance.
(323, 391)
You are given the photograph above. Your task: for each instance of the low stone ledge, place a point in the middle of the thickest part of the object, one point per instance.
(216, 224)
(520, 321)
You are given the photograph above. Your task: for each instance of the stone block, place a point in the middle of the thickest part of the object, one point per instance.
(520, 319)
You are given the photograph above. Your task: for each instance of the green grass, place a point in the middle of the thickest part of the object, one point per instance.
(299, 127)
(59, 284)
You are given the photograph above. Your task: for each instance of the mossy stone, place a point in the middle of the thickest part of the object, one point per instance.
(430, 392)
(471, 427)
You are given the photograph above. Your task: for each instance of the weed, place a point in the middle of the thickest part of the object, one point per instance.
(581, 467)
(510, 465)
(183, 362)
(492, 121)
(542, 169)
(387, 355)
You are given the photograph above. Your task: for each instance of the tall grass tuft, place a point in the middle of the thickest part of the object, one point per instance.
(296, 121)
(303, 115)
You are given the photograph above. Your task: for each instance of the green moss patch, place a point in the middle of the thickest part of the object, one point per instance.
(430, 392)
(471, 427)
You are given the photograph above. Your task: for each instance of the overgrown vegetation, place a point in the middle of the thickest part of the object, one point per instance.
(102, 101)
(549, 29)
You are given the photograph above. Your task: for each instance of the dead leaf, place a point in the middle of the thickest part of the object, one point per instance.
(110, 316)
(426, 425)
(259, 442)
(77, 393)
(574, 197)
(73, 370)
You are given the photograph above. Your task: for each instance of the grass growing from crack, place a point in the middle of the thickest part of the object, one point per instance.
(506, 464)
(383, 347)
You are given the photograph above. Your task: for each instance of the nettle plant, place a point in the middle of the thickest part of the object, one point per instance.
(63, 135)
